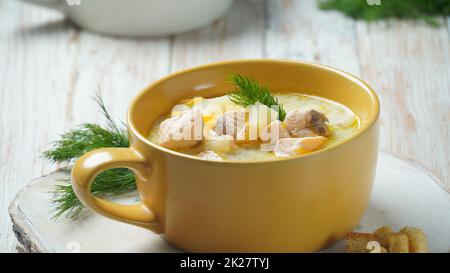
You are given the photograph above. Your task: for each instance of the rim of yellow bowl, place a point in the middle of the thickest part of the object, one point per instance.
(370, 121)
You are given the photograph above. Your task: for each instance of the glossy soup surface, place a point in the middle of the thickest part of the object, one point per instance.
(342, 123)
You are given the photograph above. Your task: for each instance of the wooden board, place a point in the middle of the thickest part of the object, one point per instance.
(52, 69)
(403, 195)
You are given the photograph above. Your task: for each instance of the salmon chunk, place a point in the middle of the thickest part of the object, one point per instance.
(293, 146)
(181, 131)
(312, 120)
(231, 123)
(305, 133)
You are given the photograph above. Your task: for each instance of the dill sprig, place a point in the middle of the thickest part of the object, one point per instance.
(79, 141)
(87, 137)
(111, 182)
(248, 91)
(412, 9)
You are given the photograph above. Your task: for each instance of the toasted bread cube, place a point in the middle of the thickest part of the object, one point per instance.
(398, 243)
(357, 242)
(417, 240)
(382, 234)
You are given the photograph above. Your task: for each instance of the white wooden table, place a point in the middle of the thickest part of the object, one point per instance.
(49, 70)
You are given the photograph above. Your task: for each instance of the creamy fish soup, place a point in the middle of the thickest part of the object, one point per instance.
(220, 129)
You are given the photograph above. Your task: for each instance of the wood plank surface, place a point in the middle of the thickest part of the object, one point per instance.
(408, 64)
(402, 195)
(238, 35)
(50, 70)
(33, 90)
(299, 30)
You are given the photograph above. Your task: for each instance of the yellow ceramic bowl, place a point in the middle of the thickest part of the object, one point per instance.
(298, 204)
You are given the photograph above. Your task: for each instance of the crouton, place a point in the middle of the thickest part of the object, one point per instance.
(417, 239)
(398, 243)
(382, 234)
(357, 242)
(407, 240)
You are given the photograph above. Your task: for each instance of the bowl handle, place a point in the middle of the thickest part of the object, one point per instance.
(91, 164)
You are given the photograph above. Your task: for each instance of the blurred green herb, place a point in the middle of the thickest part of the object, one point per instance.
(79, 141)
(248, 91)
(367, 10)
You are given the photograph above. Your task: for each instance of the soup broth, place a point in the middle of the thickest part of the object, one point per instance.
(306, 112)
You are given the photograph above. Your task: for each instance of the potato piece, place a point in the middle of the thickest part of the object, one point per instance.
(357, 242)
(246, 125)
(218, 106)
(417, 240)
(219, 144)
(341, 118)
(259, 117)
(398, 243)
(179, 109)
(192, 102)
(382, 234)
(222, 101)
(212, 110)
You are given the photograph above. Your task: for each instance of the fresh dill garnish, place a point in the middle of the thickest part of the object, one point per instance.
(412, 9)
(248, 91)
(111, 182)
(79, 141)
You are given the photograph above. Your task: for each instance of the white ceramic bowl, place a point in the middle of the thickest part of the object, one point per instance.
(139, 18)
